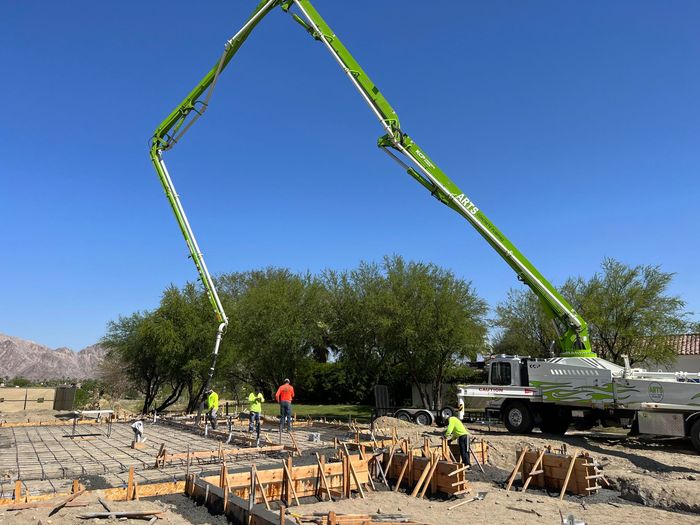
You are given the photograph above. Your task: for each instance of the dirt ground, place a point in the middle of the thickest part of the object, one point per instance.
(662, 473)
(651, 481)
(176, 509)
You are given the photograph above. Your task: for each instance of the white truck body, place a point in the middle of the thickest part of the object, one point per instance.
(551, 393)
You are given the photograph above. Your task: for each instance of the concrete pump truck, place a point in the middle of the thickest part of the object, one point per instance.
(527, 392)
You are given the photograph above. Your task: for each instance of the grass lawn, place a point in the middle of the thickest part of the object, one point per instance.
(329, 411)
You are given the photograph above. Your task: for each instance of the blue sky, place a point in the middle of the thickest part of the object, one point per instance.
(573, 125)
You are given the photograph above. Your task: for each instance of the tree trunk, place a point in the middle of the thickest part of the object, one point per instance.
(172, 398)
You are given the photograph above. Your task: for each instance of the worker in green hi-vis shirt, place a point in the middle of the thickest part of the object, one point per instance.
(255, 401)
(456, 429)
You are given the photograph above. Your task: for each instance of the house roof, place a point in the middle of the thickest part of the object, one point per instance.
(686, 344)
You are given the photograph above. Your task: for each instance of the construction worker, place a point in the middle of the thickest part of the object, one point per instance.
(284, 396)
(137, 427)
(456, 429)
(212, 406)
(255, 406)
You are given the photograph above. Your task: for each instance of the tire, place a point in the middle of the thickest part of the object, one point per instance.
(517, 417)
(695, 434)
(402, 415)
(447, 412)
(423, 418)
(555, 420)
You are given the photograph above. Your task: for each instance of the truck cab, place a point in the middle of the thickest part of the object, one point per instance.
(507, 370)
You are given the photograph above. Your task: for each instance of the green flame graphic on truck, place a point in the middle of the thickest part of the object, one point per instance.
(552, 391)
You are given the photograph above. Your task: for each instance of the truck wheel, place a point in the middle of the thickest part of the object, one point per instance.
(447, 412)
(423, 418)
(695, 434)
(402, 415)
(517, 417)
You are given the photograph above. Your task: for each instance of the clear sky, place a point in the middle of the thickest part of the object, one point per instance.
(573, 125)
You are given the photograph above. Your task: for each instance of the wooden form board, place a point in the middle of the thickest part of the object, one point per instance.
(555, 467)
(305, 480)
(236, 509)
(110, 494)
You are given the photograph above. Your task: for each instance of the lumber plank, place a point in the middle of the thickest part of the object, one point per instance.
(568, 474)
(422, 478)
(534, 468)
(63, 503)
(516, 469)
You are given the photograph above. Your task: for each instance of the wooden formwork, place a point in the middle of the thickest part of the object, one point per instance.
(339, 479)
(557, 471)
(447, 451)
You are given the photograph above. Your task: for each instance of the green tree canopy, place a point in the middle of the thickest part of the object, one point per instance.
(628, 309)
(413, 320)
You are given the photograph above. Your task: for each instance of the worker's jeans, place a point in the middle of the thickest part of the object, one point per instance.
(212, 417)
(286, 415)
(464, 448)
(253, 421)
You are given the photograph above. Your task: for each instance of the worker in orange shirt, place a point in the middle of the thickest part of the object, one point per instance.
(284, 396)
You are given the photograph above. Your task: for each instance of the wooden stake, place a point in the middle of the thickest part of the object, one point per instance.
(76, 486)
(455, 472)
(403, 471)
(107, 507)
(421, 479)
(290, 482)
(294, 442)
(262, 489)
(321, 467)
(283, 512)
(516, 469)
(430, 476)
(391, 457)
(568, 475)
(18, 490)
(64, 502)
(130, 484)
(357, 480)
(534, 471)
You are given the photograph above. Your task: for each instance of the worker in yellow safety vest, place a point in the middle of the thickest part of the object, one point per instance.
(456, 429)
(212, 406)
(255, 407)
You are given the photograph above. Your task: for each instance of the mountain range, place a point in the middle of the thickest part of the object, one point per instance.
(22, 358)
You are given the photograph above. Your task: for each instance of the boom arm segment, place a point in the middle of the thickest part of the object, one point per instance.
(571, 328)
(168, 134)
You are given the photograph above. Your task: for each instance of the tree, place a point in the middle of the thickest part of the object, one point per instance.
(628, 310)
(438, 321)
(136, 341)
(358, 321)
(525, 329)
(189, 358)
(404, 319)
(278, 323)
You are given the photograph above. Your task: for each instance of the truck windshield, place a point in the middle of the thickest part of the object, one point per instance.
(500, 374)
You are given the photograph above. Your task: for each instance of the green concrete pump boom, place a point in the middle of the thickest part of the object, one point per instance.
(572, 330)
